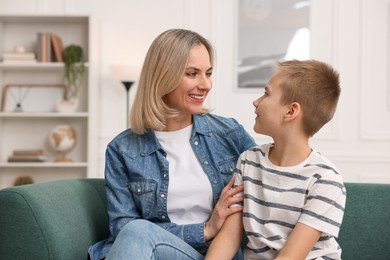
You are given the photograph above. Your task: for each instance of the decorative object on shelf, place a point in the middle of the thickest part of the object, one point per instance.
(20, 55)
(23, 180)
(19, 96)
(74, 70)
(28, 97)
(29, 155)
(127, 74)
(63, 139)
(67, 106)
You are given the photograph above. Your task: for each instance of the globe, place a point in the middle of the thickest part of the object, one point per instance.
(63, 139)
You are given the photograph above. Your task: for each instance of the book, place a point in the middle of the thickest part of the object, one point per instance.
(28, 152)
(19, 61)
(57, 47)
(18, 56)
(40, 47)
(43, 47)
(27, 158)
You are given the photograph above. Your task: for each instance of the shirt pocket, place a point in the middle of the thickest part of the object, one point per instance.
(226, 168)
(143, 194)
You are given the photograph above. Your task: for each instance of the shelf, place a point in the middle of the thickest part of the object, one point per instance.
(30, 129)
(43, 165)
(43, 115)
(38, 18)
(34, 66)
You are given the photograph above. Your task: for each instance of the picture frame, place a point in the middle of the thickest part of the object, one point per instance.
(28, 97)
(269, 32)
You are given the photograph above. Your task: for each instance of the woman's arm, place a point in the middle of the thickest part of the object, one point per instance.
(228, 239)
(120, 204)
(197, 235)
(299, 243)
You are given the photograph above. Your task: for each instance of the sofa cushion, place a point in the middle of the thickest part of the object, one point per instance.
(365, 231)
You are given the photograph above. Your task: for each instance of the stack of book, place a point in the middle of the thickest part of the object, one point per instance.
(34, 155)
(19, 57)
(49, 47)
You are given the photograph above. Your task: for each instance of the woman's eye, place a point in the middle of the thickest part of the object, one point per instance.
(191, 74)
(209, 74)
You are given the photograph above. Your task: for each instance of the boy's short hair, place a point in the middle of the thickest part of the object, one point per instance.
(315, 85)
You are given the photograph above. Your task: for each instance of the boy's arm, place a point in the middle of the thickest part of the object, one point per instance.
(228, 239)
(299, 243)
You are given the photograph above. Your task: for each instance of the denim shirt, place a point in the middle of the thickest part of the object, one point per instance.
(137, 176)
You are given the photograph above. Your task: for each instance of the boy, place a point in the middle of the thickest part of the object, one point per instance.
(294, 197)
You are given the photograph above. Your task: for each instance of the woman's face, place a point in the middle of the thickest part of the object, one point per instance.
(196, 83)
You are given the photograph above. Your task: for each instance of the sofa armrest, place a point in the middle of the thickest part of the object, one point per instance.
(53, 220)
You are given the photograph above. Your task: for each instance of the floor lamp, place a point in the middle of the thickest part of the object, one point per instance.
(126, 74)
(127, 85)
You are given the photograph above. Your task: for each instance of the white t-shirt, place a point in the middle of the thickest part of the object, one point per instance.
(276, 198)
(190, 196)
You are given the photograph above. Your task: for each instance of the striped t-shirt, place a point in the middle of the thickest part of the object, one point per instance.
(276, 198)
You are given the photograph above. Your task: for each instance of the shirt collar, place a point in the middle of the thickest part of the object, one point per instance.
(200, 125)
(152, 144)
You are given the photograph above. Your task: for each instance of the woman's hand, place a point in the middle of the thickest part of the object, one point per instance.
(222, 209)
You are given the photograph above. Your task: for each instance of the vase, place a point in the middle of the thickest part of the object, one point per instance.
(67, 106)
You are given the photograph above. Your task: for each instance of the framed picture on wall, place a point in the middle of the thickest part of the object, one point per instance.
(31, 97)
(270, 31)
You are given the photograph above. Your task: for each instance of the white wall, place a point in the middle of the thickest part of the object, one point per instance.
(352, 35)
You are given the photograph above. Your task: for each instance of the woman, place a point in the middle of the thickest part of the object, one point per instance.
(169, 177)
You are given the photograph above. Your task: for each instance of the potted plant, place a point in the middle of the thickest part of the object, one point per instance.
(74, 70)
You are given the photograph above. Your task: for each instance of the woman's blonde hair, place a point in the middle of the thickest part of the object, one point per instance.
(162, 72)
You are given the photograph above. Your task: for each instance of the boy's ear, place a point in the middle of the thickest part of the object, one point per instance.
(293, 111)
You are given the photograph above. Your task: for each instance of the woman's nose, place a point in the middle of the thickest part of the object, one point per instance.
(205, 82)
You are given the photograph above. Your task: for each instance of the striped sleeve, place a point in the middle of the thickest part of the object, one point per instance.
(324, 208)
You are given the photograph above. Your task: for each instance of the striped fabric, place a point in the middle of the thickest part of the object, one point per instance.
(276, 198)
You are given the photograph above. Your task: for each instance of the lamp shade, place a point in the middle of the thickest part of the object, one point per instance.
(125, 72)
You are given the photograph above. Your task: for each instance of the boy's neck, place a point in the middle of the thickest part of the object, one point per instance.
(289, 154)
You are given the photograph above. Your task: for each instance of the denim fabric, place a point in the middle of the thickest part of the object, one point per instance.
(137, 176)
(143, 240)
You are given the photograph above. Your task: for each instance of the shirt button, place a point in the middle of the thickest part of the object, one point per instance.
(162, 196)
(163, 217)
(231, 170)
(206, 162)
(215, 181)
(139, 190)
(196, 143)
(165, 175)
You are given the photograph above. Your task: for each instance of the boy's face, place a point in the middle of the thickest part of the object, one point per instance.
(269, 109)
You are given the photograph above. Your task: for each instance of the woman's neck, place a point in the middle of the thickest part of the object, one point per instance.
(177, 123)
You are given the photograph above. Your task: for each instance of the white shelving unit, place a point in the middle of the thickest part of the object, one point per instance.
(30, 130)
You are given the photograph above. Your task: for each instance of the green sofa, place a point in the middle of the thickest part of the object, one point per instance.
(61, 219)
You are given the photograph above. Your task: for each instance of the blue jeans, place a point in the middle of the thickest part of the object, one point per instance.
(141, 239)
